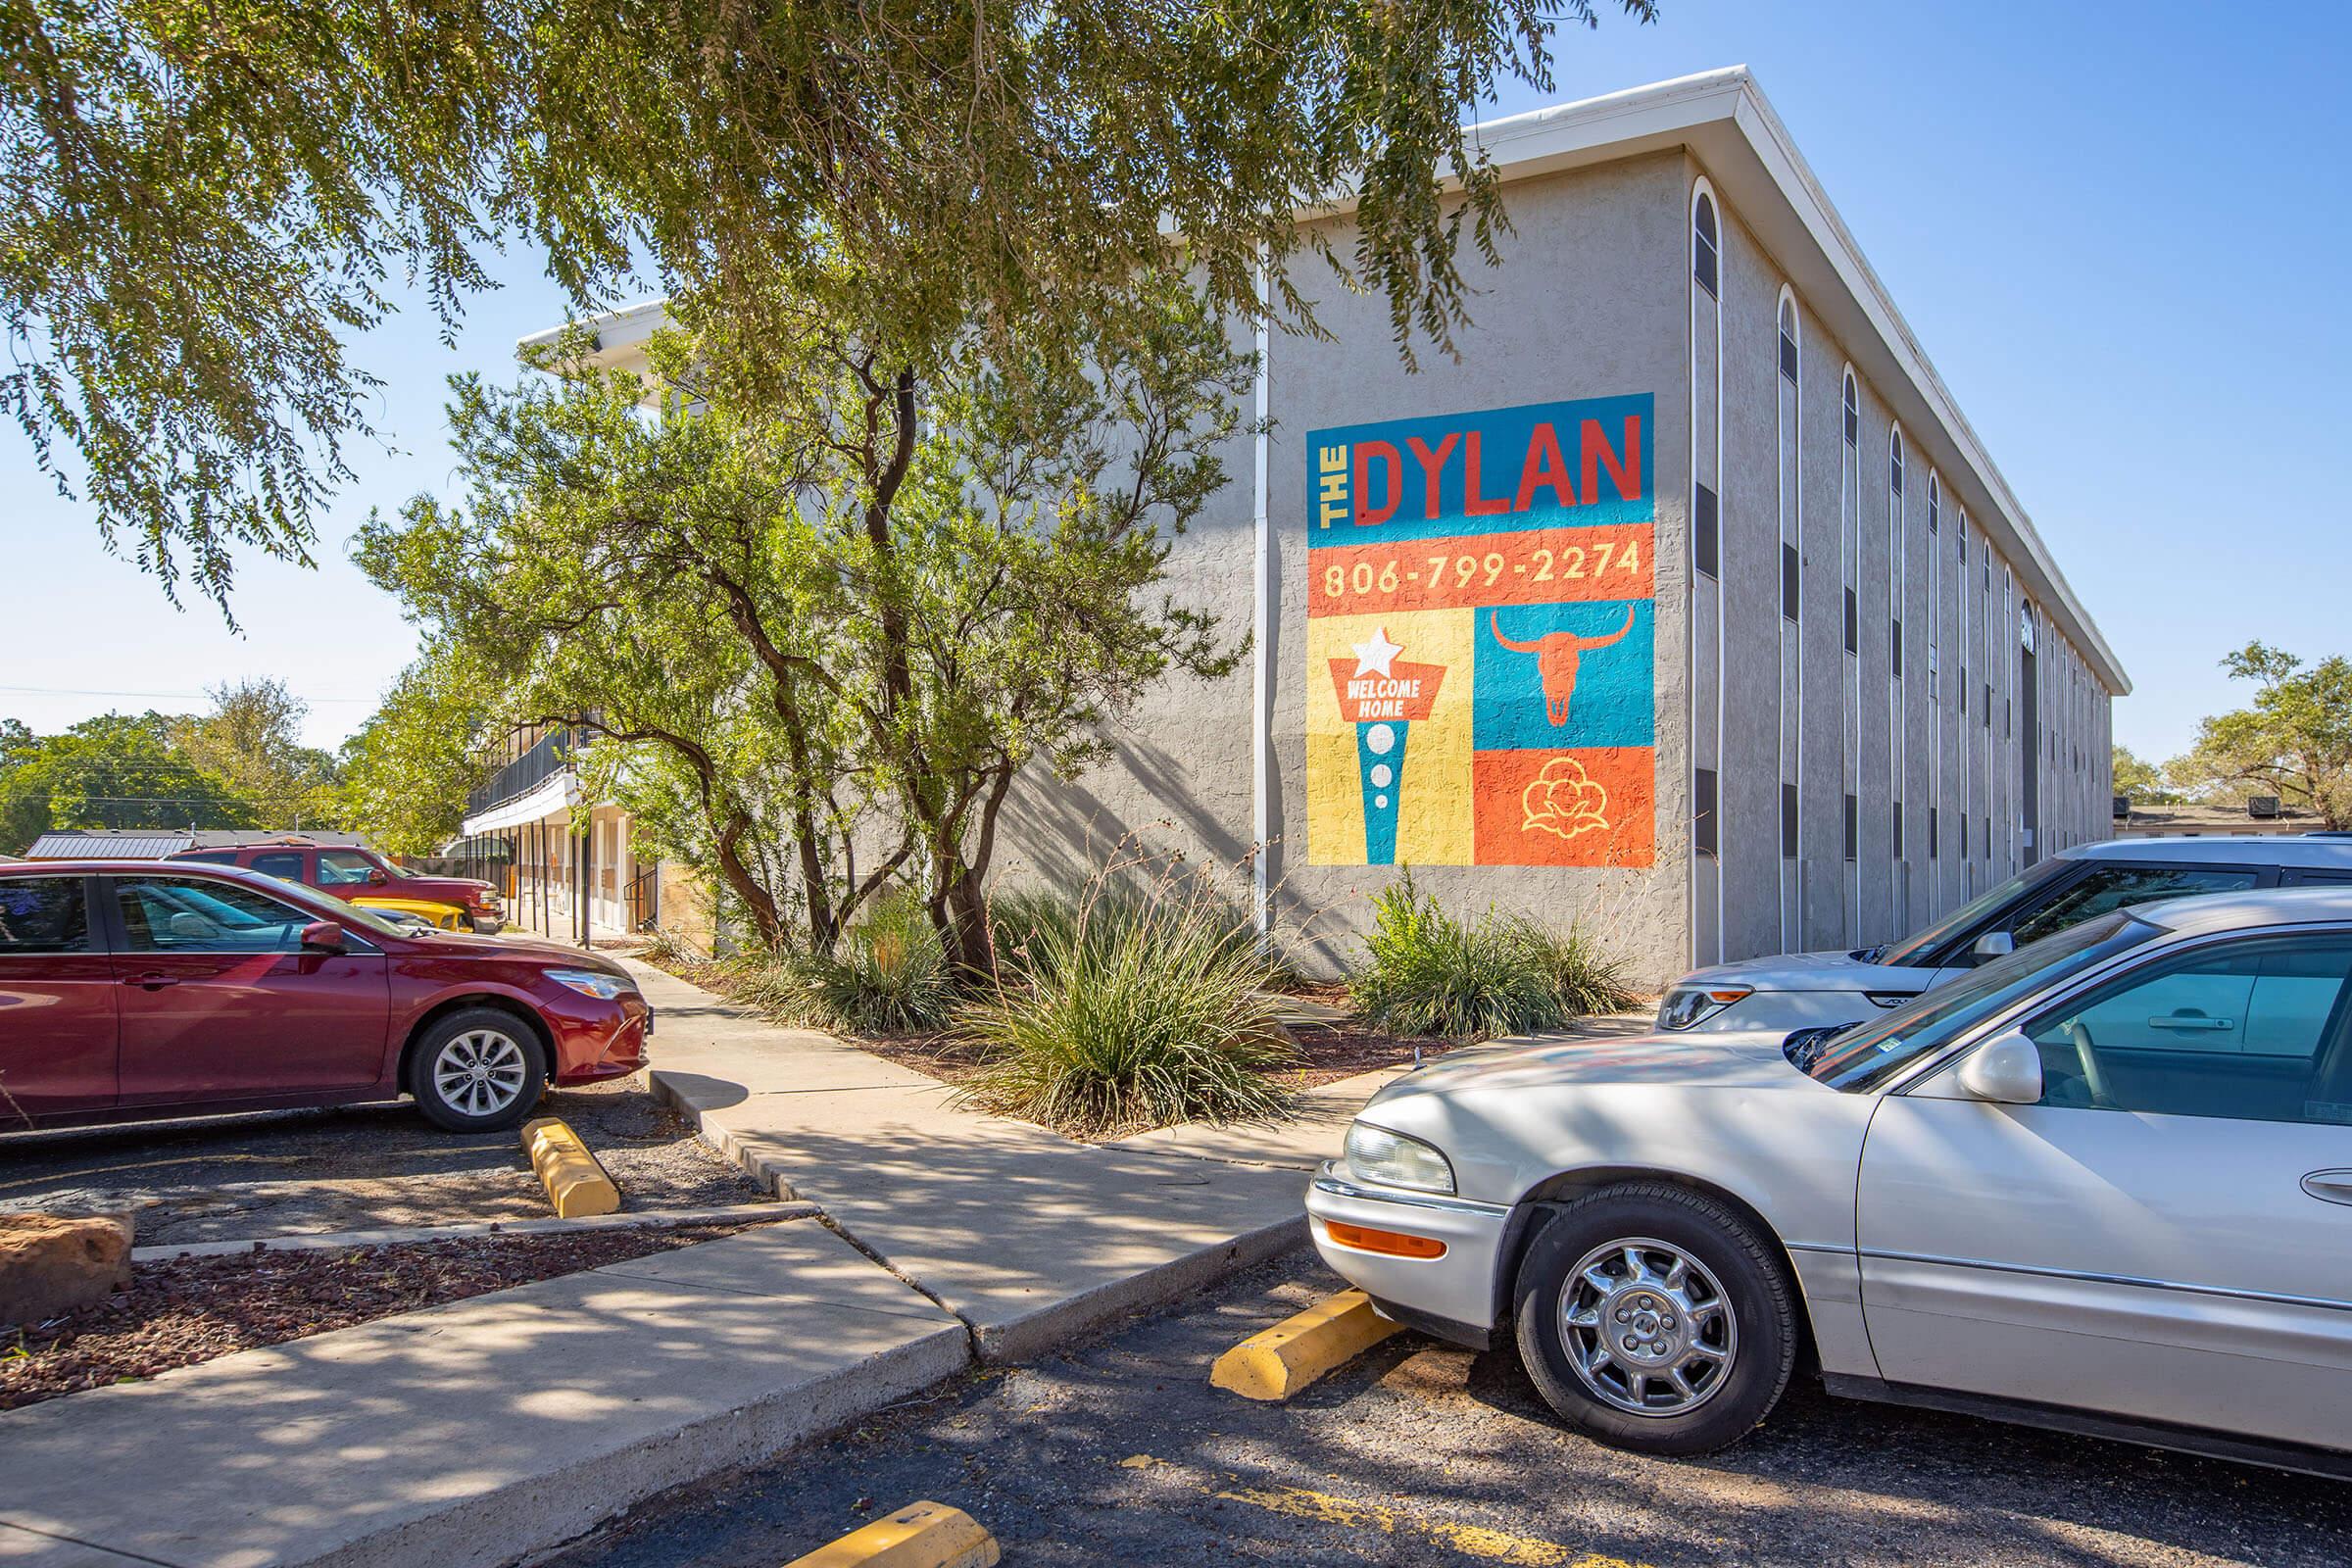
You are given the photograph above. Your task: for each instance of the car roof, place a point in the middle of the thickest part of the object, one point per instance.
(172, 867)
(2250, 910)
(2233, 849)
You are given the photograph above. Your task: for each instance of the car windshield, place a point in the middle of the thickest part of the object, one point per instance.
(1920, 945)
(353, 914)
(1864, 1056)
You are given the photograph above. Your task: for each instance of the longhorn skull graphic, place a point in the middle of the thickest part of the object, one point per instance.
(1556, 656)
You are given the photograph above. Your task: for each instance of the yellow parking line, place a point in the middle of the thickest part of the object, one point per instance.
(575, 1183)
(1293, 1354)
(922, 1534)
(1375, 1518)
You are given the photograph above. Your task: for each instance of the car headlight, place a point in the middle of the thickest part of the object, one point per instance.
(1686, 1006)
(594, 982)
(1376, 1154)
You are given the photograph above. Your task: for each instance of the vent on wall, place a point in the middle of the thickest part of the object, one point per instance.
(2262, 806)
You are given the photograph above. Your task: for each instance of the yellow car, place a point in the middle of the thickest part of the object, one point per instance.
(440, 917)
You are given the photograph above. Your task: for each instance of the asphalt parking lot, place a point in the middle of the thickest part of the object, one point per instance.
(1421, 1453)
(360, 1167)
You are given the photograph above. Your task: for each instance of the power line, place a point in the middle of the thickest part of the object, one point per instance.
(83, 691)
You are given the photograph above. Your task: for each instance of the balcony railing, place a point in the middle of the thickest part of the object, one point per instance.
(548, 757)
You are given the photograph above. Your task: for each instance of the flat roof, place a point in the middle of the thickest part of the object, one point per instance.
(1722, 118)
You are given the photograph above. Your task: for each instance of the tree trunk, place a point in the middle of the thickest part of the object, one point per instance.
(756, 900)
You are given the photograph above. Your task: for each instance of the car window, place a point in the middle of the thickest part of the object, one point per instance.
(284, 864)
(2249, 1031)
(211, 857)
(1920, 947)
(43, 915)
(337, 868)
(2118, 887)
(163, 915)
(1871, 1053)
(2310, 876)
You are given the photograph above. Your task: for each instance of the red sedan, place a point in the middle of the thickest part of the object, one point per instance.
(132, 990)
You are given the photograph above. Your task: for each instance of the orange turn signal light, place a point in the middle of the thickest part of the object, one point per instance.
(1393, 1244)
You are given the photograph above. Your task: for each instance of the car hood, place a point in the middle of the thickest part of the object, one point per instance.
(446, 889)
(475, 950)
(1729, 1061)
(1809, 971)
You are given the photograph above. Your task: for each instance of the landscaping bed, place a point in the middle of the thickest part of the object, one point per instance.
(179, 1311)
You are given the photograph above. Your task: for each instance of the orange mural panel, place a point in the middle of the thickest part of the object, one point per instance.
(1589, 806)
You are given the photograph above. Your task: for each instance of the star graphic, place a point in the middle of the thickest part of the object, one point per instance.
(1377, 655)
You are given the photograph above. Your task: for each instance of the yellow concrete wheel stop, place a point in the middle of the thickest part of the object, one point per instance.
(922, 1534)
(575, 1183)
(1293, 1354)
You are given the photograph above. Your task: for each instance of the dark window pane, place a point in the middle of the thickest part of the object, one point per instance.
(1853, 631)
(287, 866)
(1933, 848)
(1788, 356)
(1853, 828)
(1986, 823)
(1894, 646)
(1706, 542)
(1964, 838)
(1792, 588)
(1964, 690)
(1787, 821)
(1853, 417)
(1898, 830)
(1989, 704)
(1702, 812)
(1705, 218)
(1702, 257)
(45, 915)
(2118, 887)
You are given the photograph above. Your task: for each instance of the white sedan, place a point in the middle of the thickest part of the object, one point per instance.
(2103, 1183)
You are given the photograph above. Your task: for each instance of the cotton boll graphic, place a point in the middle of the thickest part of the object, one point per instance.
(1561, 799)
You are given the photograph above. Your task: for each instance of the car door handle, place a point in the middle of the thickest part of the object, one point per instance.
(152, 982)
(2329, 1185)
(2176, 1020)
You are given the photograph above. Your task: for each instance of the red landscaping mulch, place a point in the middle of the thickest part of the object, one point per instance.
(182, 1310)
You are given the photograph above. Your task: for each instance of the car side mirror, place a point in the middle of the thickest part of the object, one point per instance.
(1992, 945)
(323, 936)
(377, 877)
(2005, 1070)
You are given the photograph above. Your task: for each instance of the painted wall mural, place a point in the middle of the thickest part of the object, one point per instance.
(1481, 639)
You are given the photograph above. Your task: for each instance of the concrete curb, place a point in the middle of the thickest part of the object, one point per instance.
(757, 1214)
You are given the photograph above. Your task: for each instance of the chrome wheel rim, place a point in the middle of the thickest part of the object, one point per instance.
(481, 1072)
(1648, 1327)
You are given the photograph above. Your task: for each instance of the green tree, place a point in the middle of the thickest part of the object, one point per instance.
(251, 740)
(200, 204)
(2294, 739)
(873, 594)
(406, 773)
(113, 771)
(2140, 779)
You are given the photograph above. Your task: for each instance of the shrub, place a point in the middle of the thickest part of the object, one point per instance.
(1502, 974)
(1115, 1014)
(887, 975)
(665, 948)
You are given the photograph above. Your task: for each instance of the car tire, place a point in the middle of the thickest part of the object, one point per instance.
(1726, 1320)
(477, 1071)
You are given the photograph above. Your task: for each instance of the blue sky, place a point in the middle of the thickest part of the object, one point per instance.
(2117, 229)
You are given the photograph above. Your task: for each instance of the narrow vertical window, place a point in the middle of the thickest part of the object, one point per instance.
(1787, 342)
(1853, 828)
(1787, 821)
(1706, 542)
(1790, 582)
(1702, 796)
(1703, 244)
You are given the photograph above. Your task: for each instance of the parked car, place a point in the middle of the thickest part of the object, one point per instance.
(141, 989)
(1801, 990)
(359, 875)
(2103, 1183)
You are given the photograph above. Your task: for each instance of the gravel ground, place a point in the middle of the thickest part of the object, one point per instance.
(1420, 1453)
(365, 1167)
(182, 1310)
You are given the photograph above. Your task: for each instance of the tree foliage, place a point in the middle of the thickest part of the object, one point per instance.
(202, 203)
(845, 609)
(2140, 779)
(2294, 739)
(407, 771)
(118, 770)
(252, 741)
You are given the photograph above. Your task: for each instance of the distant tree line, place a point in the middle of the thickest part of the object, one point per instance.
(2292, 741)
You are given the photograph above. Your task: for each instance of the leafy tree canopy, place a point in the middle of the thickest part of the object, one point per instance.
(251, 740)
(2294, 739)
(2140, 779)
(407, 772)
(200, 204)
(114, 771)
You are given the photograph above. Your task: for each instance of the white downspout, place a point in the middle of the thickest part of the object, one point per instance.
(1261, 696)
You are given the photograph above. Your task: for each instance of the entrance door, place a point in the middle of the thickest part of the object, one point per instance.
(221, 1001)
(2167, 1234)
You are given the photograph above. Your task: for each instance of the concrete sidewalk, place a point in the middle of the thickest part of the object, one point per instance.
(480, 1431)
(1027, 1237)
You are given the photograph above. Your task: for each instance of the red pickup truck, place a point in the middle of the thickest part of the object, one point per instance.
(342, 870)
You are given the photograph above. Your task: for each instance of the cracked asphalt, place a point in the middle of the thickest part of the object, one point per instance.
(1421, 1453)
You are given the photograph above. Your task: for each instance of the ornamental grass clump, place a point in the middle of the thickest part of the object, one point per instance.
(1429, 973)
(1122, 1014)
(887, 975)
